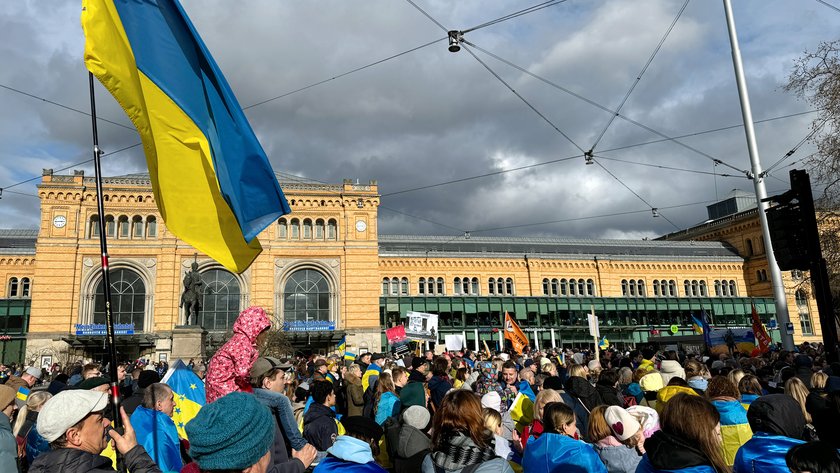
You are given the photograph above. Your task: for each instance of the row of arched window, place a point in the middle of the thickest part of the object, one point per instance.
(18, 287)
(431, 286)
(633, 288)
(568, 287)
(295, 229)
(761, 275)
(664, 288)
(395, 286)
(724, 288)
(136, 228)
(695, 288)
(466, 286)
(500, 287)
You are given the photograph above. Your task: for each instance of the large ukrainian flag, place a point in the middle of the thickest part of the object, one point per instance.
(189, 394)
(212, 181)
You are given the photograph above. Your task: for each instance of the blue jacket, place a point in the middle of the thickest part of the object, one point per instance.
(646, 467)
(555, 452)
(35, 445)
(157, 434)
(349, 455)
(8, 445)
(388, 406)
(764, 453)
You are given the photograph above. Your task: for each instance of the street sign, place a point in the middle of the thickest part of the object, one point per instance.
(675, 329)
(789, 328)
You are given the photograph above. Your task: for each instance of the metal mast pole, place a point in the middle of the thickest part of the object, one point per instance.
(758, 181)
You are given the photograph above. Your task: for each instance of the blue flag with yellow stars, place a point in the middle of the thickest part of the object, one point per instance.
(189, 394)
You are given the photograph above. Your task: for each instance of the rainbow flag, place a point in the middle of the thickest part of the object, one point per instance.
(189, 394)
(212, 181)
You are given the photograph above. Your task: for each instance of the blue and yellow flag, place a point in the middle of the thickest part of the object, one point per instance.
(342, 345)
(604, 343)
(697, 324)
(707, 330)
(349, 356)
(212, 181)
(189, 394)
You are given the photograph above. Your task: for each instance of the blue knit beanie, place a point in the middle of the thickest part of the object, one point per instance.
(231, 433)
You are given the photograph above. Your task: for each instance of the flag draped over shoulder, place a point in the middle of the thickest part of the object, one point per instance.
(189, 394)
(514, 334)
(761, 335)
(212, 181)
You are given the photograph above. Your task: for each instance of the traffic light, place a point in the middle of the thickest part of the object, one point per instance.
(790, 225)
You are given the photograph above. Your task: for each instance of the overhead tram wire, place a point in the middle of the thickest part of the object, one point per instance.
(829, 5)
(796, 148)
(652, 208)
(66, 107)
(639, 76)
(597, 105)
(670, 168)
(509, 16)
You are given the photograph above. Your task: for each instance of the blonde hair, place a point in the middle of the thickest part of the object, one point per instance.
(544, 397)
(735, 376)
(818, 380)
(34, 403)
(795, 388)
(492, 420)
(577, 370)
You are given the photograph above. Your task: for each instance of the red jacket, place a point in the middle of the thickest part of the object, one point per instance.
(535, 429)
(230, 368)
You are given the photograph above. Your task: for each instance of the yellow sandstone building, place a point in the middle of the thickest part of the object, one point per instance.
(325, 273)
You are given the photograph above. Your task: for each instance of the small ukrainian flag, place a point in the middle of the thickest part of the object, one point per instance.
(23, 394)
(342, 345)
(349, 356)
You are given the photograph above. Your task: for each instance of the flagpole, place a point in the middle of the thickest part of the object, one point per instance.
(106, 278)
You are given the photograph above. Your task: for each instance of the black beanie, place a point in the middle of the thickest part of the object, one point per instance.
(147, 378)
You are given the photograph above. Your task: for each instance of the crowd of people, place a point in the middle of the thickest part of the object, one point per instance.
(554, 410)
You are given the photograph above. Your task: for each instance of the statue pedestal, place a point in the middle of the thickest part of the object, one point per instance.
(188, 342)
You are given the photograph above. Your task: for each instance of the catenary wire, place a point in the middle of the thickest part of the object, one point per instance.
(445, 29)
(66, 107)
(634, 193)
(597, 105)
(796, 148)
(829, 5)
(659, 166)
(639, 76)
(510, 16)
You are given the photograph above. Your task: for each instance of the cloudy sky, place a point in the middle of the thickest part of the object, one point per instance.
(430, 116)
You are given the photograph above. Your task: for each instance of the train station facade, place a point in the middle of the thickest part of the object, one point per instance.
(326, 273)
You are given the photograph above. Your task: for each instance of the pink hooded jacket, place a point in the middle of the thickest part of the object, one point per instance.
(230, 368)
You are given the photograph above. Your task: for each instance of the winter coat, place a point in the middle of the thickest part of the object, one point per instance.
(554, 452)
(764, 453)
(666, 393)
(35, 445)
(582, 398)
(71, 460)
(387, 406)
(157, 434)
(281, 407)
(349, 455)
(355, 395)
(734, 427)
(610, 395)
(230, 368)
(671, 369)
(8, 445)
(370, 376)
(319, 427)
(633, 389)
(136, 399)
(617, 457)
(407, 447)
(438, 387)
(667, 453)
(279, 461)
(531, 431)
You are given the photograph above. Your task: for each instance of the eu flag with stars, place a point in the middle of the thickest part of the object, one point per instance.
(189, 394)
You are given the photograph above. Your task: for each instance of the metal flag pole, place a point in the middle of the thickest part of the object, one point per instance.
(757, 176)
(106, 278)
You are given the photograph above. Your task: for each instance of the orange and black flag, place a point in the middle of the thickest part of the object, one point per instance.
(514, 334)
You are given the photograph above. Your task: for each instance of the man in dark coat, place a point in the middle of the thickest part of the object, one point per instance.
(145, 379)
(319, 427)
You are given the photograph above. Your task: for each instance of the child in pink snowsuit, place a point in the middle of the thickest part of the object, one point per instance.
(230, 368)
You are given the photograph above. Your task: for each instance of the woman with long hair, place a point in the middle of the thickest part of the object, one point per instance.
(26, 426)
(734, 426)
(557, 449)
(689, 439)
(535, 429)
(459, 438)
(795, 388)
(750, 389)
(386, 402)
(440, 384)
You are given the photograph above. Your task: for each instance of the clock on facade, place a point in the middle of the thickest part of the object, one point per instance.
(59, 221)
(361, 225)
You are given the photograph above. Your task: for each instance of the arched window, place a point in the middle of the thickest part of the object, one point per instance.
(319, 229)
(632, 287)
(219, 300)
(421, 286)
(466, 285)
(332, 229)
(625, 288)
(124, 230)
(656, 288)
(440, 285)
(718, 291)
(687, 288)
(13, 287)
(733, 288)
(24, 287)
(749, 247)
(395, 286)
(590, 287)
(456, 283)
(151, 227)
(110, 226)
(404, 286)
(474, 284)
(386, 286)
(545, 287)
(306, 297)
(295, 229)
(640, 285)
(307, 229)
(581, 287)
(137, 227)
(572, 288)
(555, 287)
(703, 290)
(500, 286)
(564, 287)
(128, 299)
(672, 288)
(491, 286)
(430, 285)
(282, 229)
(509, 286)
(94, 226)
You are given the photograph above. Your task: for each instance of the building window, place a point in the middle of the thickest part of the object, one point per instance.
(733, 288)
(491, 286)
(440, 285)
(640, 285)
(295, 229)
(404, 286)
(430, 286)
(474, 288)
(421, 286)
(656, 288)
(137, 226)
(24, 287)
(128, 299)
(572, 288)
(395, 286)
(151, 227)
(687, 288)
(466, 285)
(545, 287)
(386, 285)
(590, 287)
(456, 286)
(13, 287)
(282, 229)
(124, 230)
(319, 229)
(307, 229)
(500, 286)
(672, 288)
(749, 247)
(761, 275)
(625, 288)
(110, 226)
(703, 290)
(219, 300)
(94, 226)
(564, 287)
(306, 297)
(804, 313)
(332, 229)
